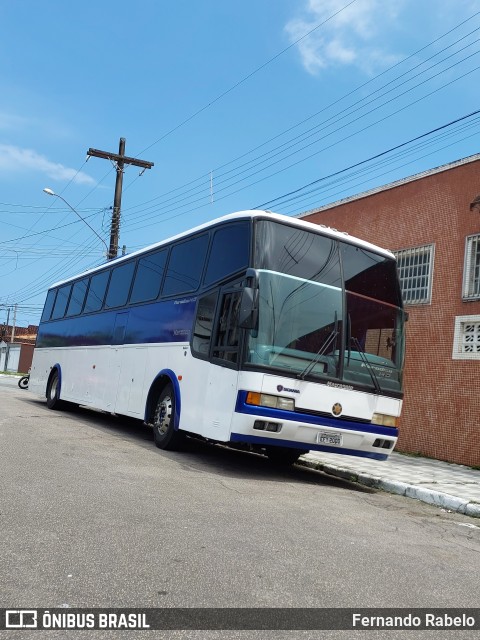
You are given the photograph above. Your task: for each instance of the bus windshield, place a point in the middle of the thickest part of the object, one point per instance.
(327, 310)
(299, 321)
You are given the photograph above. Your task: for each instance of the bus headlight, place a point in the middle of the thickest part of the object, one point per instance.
(274, 402)
(385, 420)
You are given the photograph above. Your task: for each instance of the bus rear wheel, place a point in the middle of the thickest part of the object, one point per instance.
(53, 392)
(164, 433)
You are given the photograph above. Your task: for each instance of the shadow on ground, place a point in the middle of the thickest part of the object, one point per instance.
(197, 454)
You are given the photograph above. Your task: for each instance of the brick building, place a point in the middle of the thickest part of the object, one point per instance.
(432, 223)
(28, 335)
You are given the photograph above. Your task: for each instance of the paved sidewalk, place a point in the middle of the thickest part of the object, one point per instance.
(450, 486)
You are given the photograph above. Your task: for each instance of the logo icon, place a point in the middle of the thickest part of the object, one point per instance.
(20, 619)
(337, 409)
(281, 388)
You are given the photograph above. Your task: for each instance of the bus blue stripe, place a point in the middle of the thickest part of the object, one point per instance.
(159, 322)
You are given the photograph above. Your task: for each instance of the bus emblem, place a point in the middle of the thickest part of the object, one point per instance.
(337, 409)
(281, 388)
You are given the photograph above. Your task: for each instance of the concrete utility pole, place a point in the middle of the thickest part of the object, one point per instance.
(14, 321)
(120, 160)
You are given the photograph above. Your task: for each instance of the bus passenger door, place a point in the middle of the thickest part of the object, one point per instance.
(221, 389)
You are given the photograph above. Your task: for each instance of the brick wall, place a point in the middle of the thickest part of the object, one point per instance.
(441, 413)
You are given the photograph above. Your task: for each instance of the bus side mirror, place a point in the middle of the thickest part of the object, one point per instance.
(248, 312)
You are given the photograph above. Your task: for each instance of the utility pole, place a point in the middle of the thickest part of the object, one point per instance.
(120, 160)
(14, 321)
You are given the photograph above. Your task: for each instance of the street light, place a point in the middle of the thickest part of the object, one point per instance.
(50, 192)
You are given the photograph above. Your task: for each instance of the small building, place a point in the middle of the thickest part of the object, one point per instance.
(16, 356)
(431, 221)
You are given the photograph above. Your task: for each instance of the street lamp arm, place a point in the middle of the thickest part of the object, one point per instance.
(52, 193)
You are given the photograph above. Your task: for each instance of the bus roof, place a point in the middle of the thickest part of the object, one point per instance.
(240, 215)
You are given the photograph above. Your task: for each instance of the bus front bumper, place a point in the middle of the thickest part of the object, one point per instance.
(265, 426)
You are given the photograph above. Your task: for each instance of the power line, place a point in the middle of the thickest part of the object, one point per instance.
(46, 231)
(181, 214)
(311, 132)
(330, 189)
(248, 76)
(205, 176)
(374, 157)
(335, 195)
(205, 198)
(189, 201)
(136, 218)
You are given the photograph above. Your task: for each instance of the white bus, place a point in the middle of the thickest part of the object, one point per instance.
(255, 330)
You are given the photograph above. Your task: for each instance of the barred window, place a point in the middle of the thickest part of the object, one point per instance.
(466, 342)
(471, 271)
(415, 267)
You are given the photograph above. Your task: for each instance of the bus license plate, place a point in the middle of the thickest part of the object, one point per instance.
(331, 438)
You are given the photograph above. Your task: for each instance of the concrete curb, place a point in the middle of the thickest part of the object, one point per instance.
(437, 498)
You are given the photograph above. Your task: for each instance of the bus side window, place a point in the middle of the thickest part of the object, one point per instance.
(119, 286)
(61, 302)
(49, 302)
(149, 276)
(185, 266)
(227, 336)
(96, 293)
(77, 298)
(229, 253)
(202, 332)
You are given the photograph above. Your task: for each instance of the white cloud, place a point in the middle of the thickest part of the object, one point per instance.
(16, 159)
(346, 38)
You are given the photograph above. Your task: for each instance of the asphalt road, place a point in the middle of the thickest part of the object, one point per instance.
(93, 515)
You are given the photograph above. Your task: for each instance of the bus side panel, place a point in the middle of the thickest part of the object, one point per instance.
(141, 366)
(86, 374)
(130, 362)
(39, 372)
(90, 377)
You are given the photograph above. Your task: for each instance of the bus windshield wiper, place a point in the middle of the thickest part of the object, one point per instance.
(370, 369)
(333, 334)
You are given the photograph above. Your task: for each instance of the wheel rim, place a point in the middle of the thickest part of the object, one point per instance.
(163, 415)
(53, 388)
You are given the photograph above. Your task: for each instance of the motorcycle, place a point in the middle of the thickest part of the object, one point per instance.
(23, 382)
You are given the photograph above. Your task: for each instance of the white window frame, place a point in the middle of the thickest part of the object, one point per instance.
(409, 290)
(466, 335)
(471, 268)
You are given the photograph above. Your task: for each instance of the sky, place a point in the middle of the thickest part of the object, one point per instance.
(285, 105)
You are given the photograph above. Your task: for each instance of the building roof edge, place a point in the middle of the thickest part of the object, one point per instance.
(392, 185)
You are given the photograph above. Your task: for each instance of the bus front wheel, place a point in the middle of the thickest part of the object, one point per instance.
(53, 392)
(283, 456)
(164, 433)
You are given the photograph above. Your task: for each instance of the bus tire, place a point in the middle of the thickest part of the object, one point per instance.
(284, 456)
(164, 433)
(53, 392)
